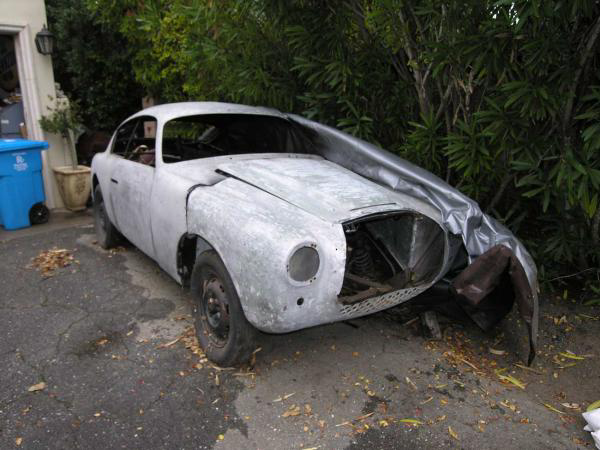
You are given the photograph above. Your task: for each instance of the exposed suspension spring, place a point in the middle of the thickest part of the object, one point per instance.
(362, 262)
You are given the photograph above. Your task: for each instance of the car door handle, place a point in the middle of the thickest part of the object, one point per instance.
(114, 181)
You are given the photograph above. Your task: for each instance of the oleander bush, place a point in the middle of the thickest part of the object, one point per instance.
(499, 98)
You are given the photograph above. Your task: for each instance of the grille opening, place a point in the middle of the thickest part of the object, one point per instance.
(389, 253)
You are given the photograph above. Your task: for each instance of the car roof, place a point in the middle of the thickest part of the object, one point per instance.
(169, 111)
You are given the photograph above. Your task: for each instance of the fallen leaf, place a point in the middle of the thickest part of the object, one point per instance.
(452, 433)
(571, 405)
(571, 355)
(343, 423)
(470, 364)
(37, 387)
(411, 421)
(552, 408)
(169, 344)
(102, 341)
(221, 437)
(520, 366)
(18, 441)
(97, 414)
(593, 406)
(285, 397)
(590, 317)
(510, 379)
(497, 352)
(50, 260)
(508, 405)
(411, 383)
(365, 416)
(383, 423)
(292, 411)
(307, 409)
(426, 400)
(560, 320)
(253, 357)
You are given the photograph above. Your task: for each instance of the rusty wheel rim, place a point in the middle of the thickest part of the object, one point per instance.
(215, 311)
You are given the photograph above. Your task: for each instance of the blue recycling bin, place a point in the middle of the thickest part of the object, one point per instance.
(21, 184)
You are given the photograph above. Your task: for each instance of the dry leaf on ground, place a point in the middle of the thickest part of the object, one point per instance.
(37, 387)
(411, 421)
(509, 379)
(452, 433)
(292, 411)
(50, 260)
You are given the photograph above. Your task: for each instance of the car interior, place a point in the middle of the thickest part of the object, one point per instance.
(135, 141)
(205, 136)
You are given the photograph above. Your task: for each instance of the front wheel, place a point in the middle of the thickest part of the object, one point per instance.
(222, 329)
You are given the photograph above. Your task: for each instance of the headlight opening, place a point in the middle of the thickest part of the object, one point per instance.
(303, 265)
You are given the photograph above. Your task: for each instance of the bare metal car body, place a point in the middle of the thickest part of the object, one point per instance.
(337, 196)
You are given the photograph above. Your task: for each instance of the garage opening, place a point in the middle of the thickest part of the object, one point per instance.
(389, 252)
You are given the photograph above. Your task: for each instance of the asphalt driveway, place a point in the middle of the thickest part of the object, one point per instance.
(93, 355)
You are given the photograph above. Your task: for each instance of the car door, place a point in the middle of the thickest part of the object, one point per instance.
(132, 178)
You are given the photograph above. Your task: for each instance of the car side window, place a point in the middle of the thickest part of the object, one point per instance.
(136, 141)
(123, 137)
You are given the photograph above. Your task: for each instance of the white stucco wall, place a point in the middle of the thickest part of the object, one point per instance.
(23, 19)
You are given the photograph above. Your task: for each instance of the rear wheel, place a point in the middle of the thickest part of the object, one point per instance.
(222, 329)
(107, 234)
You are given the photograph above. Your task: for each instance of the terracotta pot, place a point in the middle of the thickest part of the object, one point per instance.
(74, 186)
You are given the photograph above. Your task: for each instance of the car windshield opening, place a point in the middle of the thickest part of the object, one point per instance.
(205, 136)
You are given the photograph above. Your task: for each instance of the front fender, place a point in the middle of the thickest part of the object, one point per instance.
(255, 233)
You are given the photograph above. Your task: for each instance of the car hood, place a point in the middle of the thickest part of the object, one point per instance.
(321, 187)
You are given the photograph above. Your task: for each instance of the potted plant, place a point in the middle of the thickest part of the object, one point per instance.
(74, 181)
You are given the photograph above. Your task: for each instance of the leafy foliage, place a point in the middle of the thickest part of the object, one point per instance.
(499, 97)
(92, 63)
(63, 119)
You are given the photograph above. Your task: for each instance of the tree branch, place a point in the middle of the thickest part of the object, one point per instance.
(596, 229)
(588, 51)
(500, 192)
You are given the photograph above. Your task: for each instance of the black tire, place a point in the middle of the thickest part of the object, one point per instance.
(39, 214)
(106, 233)
(223, 331)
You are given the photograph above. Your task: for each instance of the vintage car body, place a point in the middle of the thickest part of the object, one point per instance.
(338, 197)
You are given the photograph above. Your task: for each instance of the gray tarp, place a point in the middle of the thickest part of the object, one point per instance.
(462, 216)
